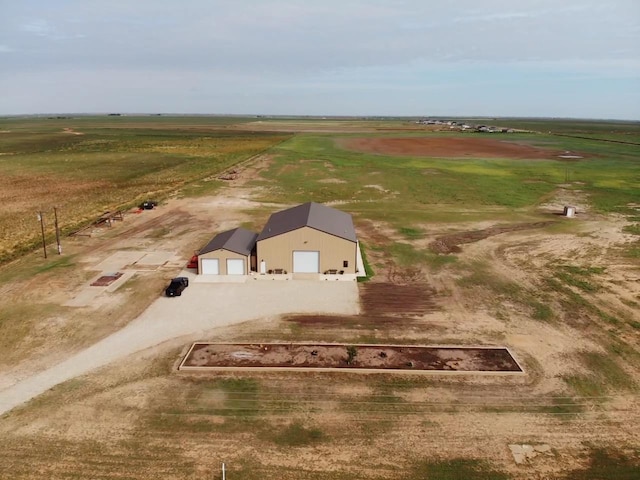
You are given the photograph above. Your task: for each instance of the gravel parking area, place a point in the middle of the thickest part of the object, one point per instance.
(201, 307)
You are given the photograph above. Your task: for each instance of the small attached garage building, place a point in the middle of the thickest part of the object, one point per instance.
(228, 253)
(310, 238)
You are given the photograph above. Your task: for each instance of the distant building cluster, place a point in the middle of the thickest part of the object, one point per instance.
(466, 127)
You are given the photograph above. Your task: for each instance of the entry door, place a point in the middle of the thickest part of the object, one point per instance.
(235, 266)
(210, 266)
(306, 262)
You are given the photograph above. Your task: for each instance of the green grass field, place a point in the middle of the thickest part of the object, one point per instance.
(414, 189)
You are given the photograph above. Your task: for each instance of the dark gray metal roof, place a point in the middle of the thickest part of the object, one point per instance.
(313, 215)
(238, 240)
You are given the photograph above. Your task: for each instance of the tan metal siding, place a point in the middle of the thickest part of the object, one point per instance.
(222, 256)
(277, 251)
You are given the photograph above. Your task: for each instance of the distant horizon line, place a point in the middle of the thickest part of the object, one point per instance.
(310, 116)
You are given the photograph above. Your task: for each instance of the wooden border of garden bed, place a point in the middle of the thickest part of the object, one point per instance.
(184, 368)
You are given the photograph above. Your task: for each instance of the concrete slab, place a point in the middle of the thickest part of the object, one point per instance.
(155, 259)
(266, 276)
(118, 260)
(305, 277)
(88, 294)
(118, 283)
(221, 278)
(347, 277)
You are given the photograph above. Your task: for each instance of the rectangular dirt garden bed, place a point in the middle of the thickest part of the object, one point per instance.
(106, 280)
(312, 356)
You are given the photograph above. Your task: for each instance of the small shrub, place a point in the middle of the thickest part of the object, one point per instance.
(352, 353)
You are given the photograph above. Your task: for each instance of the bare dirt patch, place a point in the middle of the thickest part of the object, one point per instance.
(72, 131)
(397, 300)
(451, 243)
(331, 180)
(446, 147)
(336, 323)
(341, 356)
(383, 305)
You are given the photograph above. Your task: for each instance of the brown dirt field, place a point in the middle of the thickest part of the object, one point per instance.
(383, 357)
(450, 243)
(336, 323)
(40, 187)
(446, 147)
(388, 299)
(383, 305)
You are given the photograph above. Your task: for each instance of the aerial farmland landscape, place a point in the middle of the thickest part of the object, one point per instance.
(346, 240)
(461, 251)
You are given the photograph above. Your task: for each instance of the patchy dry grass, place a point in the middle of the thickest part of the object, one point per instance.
(296, 435)
(143, 420)
(456, 469)
(605, 464)
(107, 168)
(605, 376)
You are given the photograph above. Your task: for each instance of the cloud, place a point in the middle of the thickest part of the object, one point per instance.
(489, 17)
(39, 27)
(254, 46)
(46, 30)
(484, 15)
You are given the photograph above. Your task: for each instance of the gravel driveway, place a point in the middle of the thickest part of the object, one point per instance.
(201, 307)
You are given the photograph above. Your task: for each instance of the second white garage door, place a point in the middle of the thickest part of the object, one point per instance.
(306, 262)
(210, 266)
(235, 266)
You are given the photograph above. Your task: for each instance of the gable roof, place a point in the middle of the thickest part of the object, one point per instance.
(238, 240)
(311, 214)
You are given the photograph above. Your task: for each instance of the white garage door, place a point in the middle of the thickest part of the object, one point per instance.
(210, 266)
(306, 262)
(235, 266)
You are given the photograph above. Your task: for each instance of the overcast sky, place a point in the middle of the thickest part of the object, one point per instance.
(568, 58)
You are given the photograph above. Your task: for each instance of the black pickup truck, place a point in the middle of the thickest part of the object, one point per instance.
(176, 286)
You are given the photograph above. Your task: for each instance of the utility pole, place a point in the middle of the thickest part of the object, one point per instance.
(44, 244)
(55, 213)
